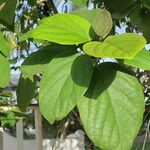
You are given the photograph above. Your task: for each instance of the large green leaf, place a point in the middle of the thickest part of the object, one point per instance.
(112, 108)
(25, 92)
(37, 62)
(64, 82)
(141, 60)
(63, 29)
(117, 46)
(4, 46)
(4, 72)
(7, 12)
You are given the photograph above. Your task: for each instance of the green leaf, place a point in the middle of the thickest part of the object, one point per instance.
(100, 19)
(6, 94)
(118, 7)
(118, 46)
(37, 62)
(79, 3)
(89, 15)
(7, 12)
(3, 102)
(64, 82)
(8, 119)
(141, 60)
(145, 26)
(136, 15)
(4, 72)
(63, 29)
(25, 92)
(146, 3)
(112, 109)
(4, 46)
(19, 114)
(103, 23)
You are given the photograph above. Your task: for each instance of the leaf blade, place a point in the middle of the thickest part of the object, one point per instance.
(62, 29)
(106, 117)
(4, 72)
(7, 12)
(100, 20)
(59, 78)
(141, 60)
(25, 92)
(118, 46)
(38, 61)
(103, 23)
(4, 46)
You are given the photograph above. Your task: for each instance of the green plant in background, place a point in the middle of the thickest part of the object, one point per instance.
(108, 95)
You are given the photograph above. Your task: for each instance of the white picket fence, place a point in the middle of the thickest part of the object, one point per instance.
(72, 142)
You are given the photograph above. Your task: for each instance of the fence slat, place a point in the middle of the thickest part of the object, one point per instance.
(1, 138)
(19, 130)
(38, 127)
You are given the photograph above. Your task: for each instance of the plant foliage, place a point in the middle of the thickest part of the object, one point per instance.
(69, 62)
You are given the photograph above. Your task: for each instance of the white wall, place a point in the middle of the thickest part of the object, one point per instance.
(72, 142)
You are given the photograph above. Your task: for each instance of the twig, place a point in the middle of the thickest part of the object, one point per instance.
(137, 147)
(146, 135)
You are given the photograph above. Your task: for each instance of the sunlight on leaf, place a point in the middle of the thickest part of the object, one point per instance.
(122, 46)
(66, 29)
(112, 117)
